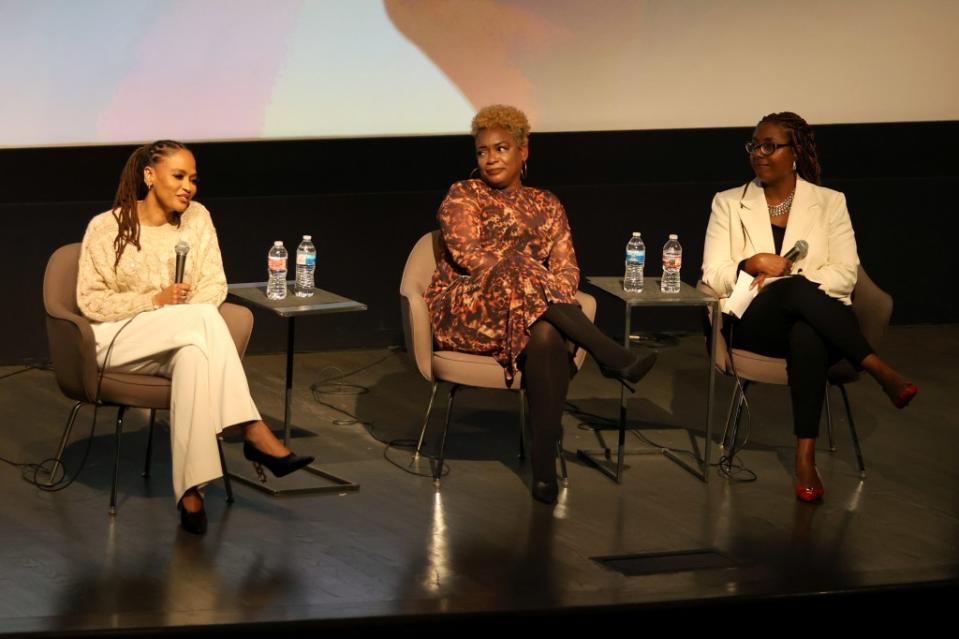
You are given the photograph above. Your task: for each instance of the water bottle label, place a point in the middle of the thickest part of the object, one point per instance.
(672, 262)
(276, 263)
(636, 257)
(306, 259)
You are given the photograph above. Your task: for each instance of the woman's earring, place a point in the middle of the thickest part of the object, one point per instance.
(523, 172)
(794, 165)
(473, 173)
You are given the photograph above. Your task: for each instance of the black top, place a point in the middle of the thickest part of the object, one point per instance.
(779, 234)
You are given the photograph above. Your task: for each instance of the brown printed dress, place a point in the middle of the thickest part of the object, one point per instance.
(508, 255)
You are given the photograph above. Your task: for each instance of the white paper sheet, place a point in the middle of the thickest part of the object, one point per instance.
(742, 296)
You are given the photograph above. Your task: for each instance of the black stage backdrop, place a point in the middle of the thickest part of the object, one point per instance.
(366, 201)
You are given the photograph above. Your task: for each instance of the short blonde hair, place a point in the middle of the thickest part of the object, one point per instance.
(502, 116)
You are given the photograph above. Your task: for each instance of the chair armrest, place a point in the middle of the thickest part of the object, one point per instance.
(73, 352)
(418, 333)
(239, 319)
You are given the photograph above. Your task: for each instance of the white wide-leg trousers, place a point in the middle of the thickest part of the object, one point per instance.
(190, 344)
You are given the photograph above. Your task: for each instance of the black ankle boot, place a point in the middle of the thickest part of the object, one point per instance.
(545, 491)
(634, 371)
(279, 466)
(193, 523)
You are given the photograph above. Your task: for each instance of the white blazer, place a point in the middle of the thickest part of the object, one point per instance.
(739, 227)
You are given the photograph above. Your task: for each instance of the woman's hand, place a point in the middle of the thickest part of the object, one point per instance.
(763, 265)
(768, 264)
(172, 294)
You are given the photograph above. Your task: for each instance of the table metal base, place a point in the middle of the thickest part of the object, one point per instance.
(602, 458)
(311, 479)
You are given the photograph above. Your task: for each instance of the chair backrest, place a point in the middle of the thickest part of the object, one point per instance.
(69, 336)
(871, 305)
(873, 308)
(417, 330)
(417, 274)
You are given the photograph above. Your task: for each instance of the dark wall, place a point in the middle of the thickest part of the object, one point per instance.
(366, 201)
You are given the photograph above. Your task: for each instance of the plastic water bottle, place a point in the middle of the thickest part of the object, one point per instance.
(672, 262)
(635, 261)
(305, 266)
(276, 271)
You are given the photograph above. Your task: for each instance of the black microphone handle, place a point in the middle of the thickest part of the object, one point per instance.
(180, 263)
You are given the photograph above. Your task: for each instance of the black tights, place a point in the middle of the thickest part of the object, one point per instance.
(795, 320)
(547, 368)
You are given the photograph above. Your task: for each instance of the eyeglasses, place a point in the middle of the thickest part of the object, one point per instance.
(765, 148)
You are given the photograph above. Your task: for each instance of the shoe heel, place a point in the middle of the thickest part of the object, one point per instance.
(259, 472)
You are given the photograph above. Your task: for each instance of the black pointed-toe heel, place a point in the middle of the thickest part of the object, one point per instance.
(632, 372)
(545, 491)
(193, 523)
(279, 466)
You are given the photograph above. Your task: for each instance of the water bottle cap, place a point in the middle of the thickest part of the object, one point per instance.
(278, 243)
(673, 236)
(308, 238)
(636, 233)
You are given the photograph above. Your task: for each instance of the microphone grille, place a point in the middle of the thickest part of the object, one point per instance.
(803, 247)
(181, 248)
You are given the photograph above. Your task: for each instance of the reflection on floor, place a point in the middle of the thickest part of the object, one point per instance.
(399, 549)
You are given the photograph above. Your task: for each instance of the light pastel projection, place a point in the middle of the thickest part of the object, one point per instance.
(117, 71)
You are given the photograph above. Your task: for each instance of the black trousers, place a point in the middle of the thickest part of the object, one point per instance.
(795, 320)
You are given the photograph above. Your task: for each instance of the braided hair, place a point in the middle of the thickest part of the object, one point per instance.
(132, 187)
(803, 140)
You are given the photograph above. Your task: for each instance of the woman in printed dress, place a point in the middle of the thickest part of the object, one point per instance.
(505, 285)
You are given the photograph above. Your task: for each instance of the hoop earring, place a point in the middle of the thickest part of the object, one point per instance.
(524, 171)
(473, 173)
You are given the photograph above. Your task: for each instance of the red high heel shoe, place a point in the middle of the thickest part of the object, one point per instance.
(908, 392)
(809, 494)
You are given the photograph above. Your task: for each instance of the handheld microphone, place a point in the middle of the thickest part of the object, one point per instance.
(182, 248)
(798, 251)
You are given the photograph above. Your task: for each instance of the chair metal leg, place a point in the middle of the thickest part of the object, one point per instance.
(226, 475)
(146, 463)
(522, 423)
(832, 442)
(853, 433)
(562, 462)
(426, 420)
(733, 415)
(58, 463)
(438, 470)
(116, 461)
(733, 405)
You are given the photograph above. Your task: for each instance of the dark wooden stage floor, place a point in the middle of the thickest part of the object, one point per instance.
(478, 549)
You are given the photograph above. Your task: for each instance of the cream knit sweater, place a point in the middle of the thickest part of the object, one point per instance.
(105, 293)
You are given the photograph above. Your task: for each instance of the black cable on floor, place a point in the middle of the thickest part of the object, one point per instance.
(30, 471)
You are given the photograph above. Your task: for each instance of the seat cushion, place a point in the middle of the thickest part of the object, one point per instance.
(473, 370)
(138, 391)
(759, 368)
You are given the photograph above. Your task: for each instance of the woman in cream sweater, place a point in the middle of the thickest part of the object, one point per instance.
(144, 323)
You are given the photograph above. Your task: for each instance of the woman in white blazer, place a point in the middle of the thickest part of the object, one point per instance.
(806, 318)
